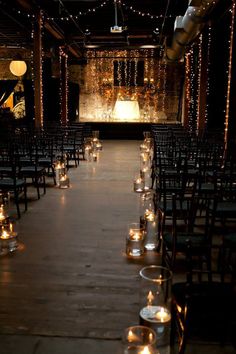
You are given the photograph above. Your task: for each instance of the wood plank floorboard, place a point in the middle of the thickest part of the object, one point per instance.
(71, 277)
(70, 288)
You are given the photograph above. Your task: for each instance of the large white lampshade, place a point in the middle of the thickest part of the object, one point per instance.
(18, 67)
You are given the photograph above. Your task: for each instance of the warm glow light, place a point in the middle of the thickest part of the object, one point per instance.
(5, 234)
(18, 67)
(162, 315)
(145, 351)
(150, 298)
(126, 111)
(2, 216)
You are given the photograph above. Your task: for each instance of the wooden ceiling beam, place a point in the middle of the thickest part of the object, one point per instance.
(53, 30)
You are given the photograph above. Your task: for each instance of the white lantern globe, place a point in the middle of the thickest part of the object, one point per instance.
(18, 67)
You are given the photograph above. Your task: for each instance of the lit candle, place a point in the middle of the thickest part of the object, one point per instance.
(134, 235)
(150, 298)
(11, 227)
(145, 351)
(149, 215)
(163, 315)
(5, 235)
(131, 336)
(135, 240)
(138, 185)
(2, 216)
(64, 182)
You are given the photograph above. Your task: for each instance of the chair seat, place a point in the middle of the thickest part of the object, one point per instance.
(32, 169)
(197, 240)
(226, 207)
(9, 182)
(208, 290)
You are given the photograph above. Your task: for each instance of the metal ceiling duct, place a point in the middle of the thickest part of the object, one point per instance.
(188, 27)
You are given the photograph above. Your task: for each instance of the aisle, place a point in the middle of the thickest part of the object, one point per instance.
(73, 278)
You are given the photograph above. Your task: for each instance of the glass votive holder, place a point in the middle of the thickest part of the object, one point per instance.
(64, 182)
(99, 145)
(135, 240)
(155, 301)
(8, 239)
(151, 224)
(87, 152)
(145, 173)
(95, 156)
(4, 217)
(59, 170)
(139, 340)
(139, 184)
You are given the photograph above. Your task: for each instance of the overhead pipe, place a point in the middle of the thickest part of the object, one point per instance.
(188, 27)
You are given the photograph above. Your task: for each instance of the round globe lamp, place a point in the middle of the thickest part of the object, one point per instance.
(18, 67)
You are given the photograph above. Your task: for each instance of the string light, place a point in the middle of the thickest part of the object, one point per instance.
(208, 76)
(199, 81)
(229, 76)
(193, 89)
(88, 11)
(32, 67)
(187, 83)
(164, 87)
(142, 13)
(92, 10)
(40, 85)
(63, 60)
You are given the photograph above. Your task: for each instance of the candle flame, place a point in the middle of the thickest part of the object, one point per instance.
(145, 351)
(130, 336)
(2, 216)
(5, 234)
(11, 227)
(150, 298)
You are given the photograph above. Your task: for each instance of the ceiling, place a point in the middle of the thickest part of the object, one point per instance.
(82, 24)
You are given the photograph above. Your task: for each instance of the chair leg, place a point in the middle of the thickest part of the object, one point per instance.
(25, 197)
(16, 200)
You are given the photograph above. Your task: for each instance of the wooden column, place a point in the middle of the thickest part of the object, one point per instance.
(64, 87)
(38, 87)
(186, 92)
(202, 99)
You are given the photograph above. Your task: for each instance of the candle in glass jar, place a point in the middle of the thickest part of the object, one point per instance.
(163, 315)
(139, 185)
(2, 216)
(135, 241)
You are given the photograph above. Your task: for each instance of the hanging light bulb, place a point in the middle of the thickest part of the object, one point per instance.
(18, 66)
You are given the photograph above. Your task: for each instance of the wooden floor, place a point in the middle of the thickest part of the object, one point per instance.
(70, 288)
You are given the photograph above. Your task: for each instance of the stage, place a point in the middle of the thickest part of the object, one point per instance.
(122, 130)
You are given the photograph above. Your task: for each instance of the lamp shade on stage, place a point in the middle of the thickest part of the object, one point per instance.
(18, 67)
(126, 111)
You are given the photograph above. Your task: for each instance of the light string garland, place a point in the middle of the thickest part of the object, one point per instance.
(142, 13)
(208, 76)
(231, 40)
(164, 86)
(41, 69)
(32, 68)
(92, 10)
(63, 55)
(88, 11)
(33, 34)
(193, 88)
(199, 81)
(187, 84)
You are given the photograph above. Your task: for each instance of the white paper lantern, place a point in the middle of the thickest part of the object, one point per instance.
(18, 67)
